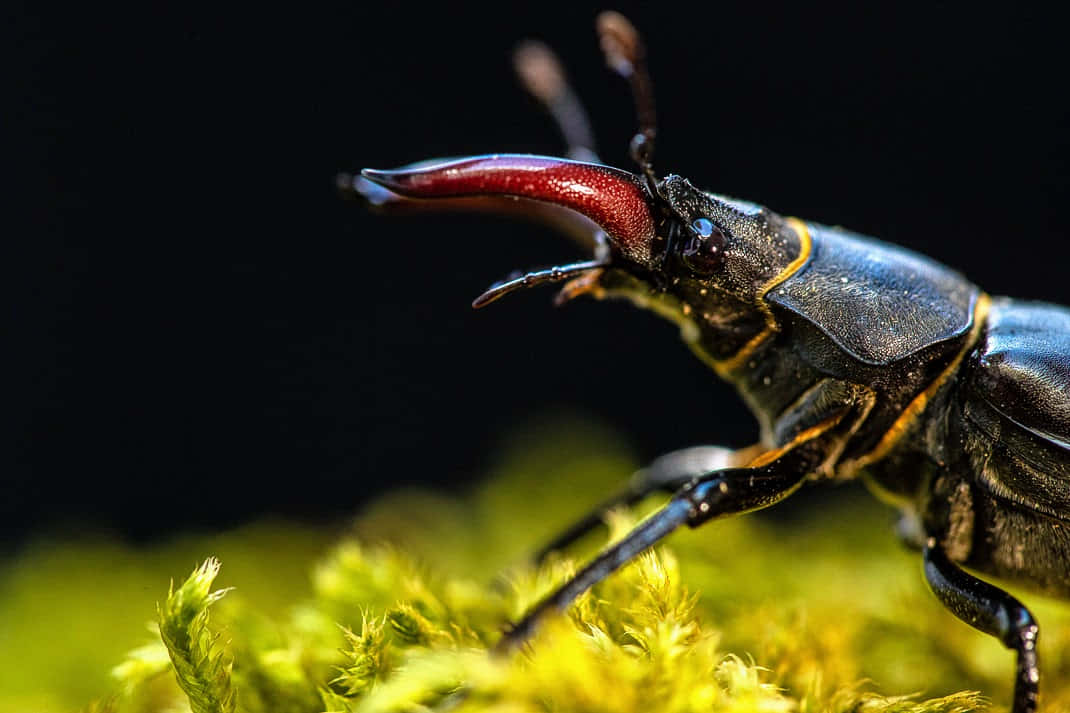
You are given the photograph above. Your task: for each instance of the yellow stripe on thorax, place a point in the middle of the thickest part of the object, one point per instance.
(725, 366)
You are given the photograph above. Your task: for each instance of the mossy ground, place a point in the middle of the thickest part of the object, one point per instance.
(799, 609)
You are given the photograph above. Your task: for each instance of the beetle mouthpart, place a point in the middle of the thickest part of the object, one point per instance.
(359, 187)
(533, 279)
(616, 200)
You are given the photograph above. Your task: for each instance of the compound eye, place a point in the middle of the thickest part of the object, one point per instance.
(704, 253)
(703, 227)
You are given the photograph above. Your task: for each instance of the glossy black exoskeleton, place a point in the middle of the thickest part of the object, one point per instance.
(859, 359)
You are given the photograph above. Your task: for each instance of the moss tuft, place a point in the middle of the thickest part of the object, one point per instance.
(806, 610)
(368, 658)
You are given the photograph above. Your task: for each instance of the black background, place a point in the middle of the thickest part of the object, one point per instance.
(194, 304)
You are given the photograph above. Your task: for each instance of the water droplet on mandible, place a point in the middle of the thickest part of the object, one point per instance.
(703, 226)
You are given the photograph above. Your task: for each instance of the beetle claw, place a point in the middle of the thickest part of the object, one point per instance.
(617, 201)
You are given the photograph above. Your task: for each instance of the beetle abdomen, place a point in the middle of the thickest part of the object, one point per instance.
(1023, 369)
(1015, 399)
(1001, 504)
(982, 531)
(877, 302)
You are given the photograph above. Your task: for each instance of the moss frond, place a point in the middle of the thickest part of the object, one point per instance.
(854, 700)
(201, 664)
(368, 657)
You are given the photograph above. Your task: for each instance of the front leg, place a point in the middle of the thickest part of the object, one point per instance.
(993, 611)
(768, 479)
(667, 474)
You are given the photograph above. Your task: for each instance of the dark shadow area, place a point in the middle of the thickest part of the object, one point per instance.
(203, 331)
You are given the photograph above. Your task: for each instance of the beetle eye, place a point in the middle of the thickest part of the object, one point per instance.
(704, 253)
(703, 227)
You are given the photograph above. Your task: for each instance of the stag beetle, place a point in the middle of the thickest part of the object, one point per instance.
(858, 358)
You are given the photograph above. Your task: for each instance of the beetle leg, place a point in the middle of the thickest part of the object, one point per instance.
(991, 610)
(645, 535)
(723, 492)
(765, 481)
(666, 474)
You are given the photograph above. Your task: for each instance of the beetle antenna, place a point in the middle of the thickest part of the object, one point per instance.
(626, 55)
(543, 76)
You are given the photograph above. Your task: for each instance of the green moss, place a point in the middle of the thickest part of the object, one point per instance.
(201, 664)
(807, 610)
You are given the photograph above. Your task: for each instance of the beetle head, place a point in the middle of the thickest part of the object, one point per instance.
(710, 263)
(699, 259)
(718, 244)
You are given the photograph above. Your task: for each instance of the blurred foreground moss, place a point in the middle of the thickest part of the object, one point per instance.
(798, 610)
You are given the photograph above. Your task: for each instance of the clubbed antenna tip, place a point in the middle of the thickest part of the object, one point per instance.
(626, 55)
(620, 42)
(544, 77)
(540, 71)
